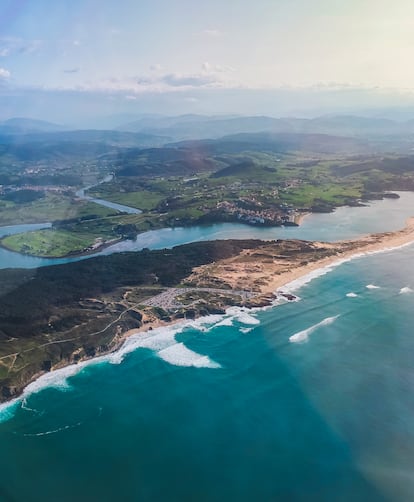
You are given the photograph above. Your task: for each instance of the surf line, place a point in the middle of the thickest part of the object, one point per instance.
(303, 336)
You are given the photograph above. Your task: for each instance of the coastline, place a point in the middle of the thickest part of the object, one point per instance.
(104, 245)
(291, 281)
(389, 241)
(301, 217)
(280, 275)
(280, 284)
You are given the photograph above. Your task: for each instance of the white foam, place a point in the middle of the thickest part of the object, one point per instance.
(246, 330)
(246, 318)
(351, 295)
(372, 286)
(305, 279)
(228, 321)
(242, 315)
(163, 342)
(56, 379)
(156, 340)
(405, 290)
(54, 431)
(8, 409)
(303, 336)
(203, 322)
(24, 406)
(179, 355)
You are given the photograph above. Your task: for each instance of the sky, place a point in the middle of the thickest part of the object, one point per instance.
(76, 57)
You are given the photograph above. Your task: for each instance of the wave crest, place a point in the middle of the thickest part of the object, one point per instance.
(303, 336)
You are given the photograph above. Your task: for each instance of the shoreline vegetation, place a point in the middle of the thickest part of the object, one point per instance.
(9, 243)
(94, 248)
(208, 278)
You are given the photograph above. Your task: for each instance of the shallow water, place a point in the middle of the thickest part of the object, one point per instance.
(237, 407)
(344, 223)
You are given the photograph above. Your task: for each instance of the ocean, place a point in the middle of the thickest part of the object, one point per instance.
(307, 400)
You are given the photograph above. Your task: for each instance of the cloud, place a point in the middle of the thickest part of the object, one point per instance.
(156, 67)
(180, 80)
(207, 67)
(14, 45)
(153, 82)
(4, 73)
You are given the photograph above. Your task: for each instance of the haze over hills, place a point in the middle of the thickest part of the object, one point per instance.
(24, 138)
(279, 142)
(197, 126)
(158, 129)
(22, 125)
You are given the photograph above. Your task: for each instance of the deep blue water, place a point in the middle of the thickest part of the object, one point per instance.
(231, 408)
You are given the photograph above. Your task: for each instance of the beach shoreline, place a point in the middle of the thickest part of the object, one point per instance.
(272, 277)
(281, 284)
(389, 241)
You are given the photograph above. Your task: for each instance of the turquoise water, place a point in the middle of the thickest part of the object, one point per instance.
(311, 400)
(344, 223)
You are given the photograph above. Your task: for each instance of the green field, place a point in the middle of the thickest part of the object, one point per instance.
(307, 196)
(247, 181)
(143, 199)
(75, 237)
(48, 243)
(52, 207)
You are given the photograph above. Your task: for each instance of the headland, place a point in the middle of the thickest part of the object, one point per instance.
(82, 310)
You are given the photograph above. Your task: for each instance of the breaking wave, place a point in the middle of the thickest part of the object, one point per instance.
(242, 315)
(351, 295)
(305, 279)
(179, 355)
(303, 336)
(157, 340)
(162, 341)
(372, 286)
(245, 330)
(405, 290)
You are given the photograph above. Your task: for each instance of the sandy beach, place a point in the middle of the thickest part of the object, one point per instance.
(274, 274)
(263, 272)
(374, 243)
(270, 268)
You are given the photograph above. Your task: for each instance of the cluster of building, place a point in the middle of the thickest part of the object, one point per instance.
(258, 216)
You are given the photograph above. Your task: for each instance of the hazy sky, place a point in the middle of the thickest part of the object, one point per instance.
(124, 49)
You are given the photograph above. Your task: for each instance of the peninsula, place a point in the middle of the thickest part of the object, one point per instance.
(77, 311)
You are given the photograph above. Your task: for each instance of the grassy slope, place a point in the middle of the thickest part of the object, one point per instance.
(143, 199)
(52, 207)
(49, 242)
(75, 237)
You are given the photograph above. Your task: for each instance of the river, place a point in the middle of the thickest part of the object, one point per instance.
(232, 407)
(344, 223)
(113, 205)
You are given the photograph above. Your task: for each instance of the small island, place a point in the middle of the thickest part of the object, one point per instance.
(77, 311)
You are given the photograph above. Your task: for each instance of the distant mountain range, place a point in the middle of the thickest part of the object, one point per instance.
(277, 143)
(154, 130)
(27, 126)
(213, 135)
(198, 127)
